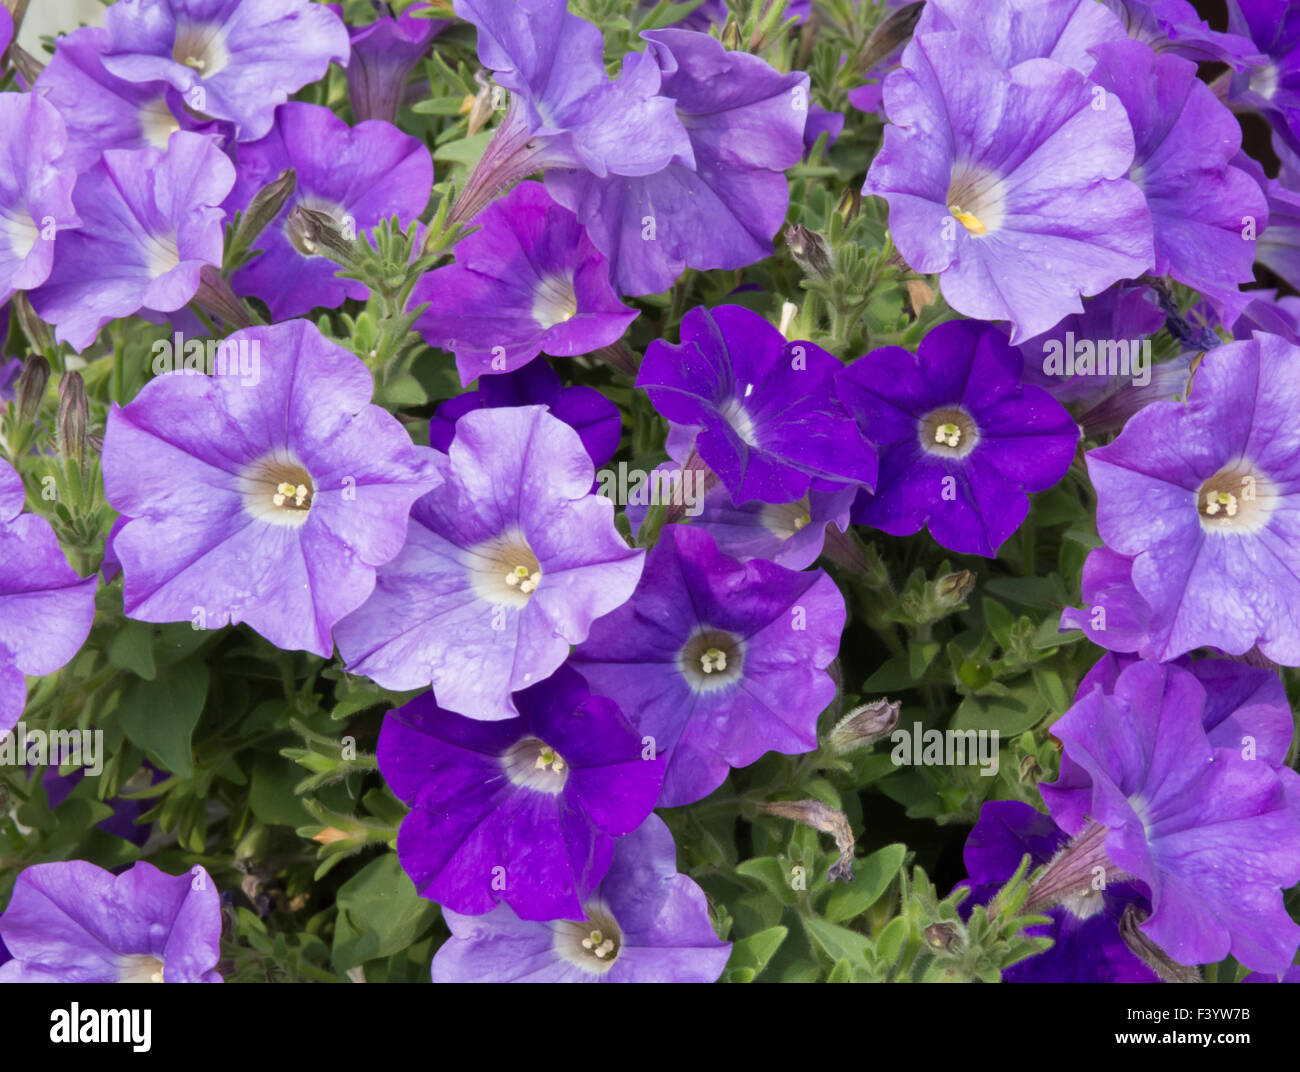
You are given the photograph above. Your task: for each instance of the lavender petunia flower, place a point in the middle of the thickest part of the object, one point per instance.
(35, 190)
(644, 923)
(820, 121)
(1204, 212)
(1207, 830)
(1087, 945)
(276, 496)
(962, 440)
(584, 409)
(150, 221)
(986, 184)
(1175, 26)
(529, 280)
(524, 811)
(357, 175)
(1273, 86)
(230, 59)
(768, 420)
(719, 661)
(1202, 498)
(103, 111)
(46, 609)
(716, 204)
(1012, 31)
(504, 567)
(383, 54)
(74, 922)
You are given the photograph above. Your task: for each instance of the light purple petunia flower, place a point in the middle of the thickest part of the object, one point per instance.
(1176, 26)
(986, 184)
(584, 409)
(1086, 943)
(528, 281)
(357, 175)
(644, 923)
(524, 811)
(1201, 500)
(46, 609)
(73, 922)
(230, 59)
(35, 190)
(719, 661)
(504, 567)
(764, 411)
(150, 221)
(716, 205)
(1207, 830)
(962, 439)
(103, 111)
(383, 55)
(1205, 213)
(1273, 86)
(269, 498)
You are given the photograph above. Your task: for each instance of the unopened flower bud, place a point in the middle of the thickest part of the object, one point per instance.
(863, 726)
(264, 207)
(70, 424)
(941, 935)
(890, 34)
(1167, 969)
(809, 249)
(33, 327)
(953, 588)
(30, 389)
(317, 233)
(731, 40)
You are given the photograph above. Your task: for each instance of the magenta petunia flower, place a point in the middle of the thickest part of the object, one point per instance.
(718, 661)
(277, 494)
(229, 59)
(523, 811)
(357, 175)
(644, 923)
(505, 566)
(986, 185)
(73, 922)
(46, 609)
(150, 221)
(528, 281)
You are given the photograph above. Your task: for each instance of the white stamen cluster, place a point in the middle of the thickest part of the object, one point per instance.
(948, 434)
(548, 759)
(713, 660)
(284, 492)
(598, 945)
(1221, 500)
(521, 578)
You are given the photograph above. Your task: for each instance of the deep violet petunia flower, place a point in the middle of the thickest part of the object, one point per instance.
(962, 439)
(357, 175)
(1198, 502)
(1205, 213)
(529, 280)
(584, 409)
(522, 811)
(103, 111)
(383, 54)
(986, 185)
(230, 59)
(1175, 26)
(46, 609)
(150, 221)
(126, 810)
(645, 923)
(269, 499)
(1272, 87)
(35, 190)
(505, 567)
(768, 419)
(719, 205)
(73, 922)
(719, 661)
(1207, 830)
(1087, 945)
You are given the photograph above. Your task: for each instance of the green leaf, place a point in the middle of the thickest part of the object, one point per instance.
(380, 913)
(132, 649)
(894, 675)
(271, 795)
(1020, 708)
(838, 941)
(842, 972)
(872, 877)
(160, 715)
(768, 871)
(465, 151)
(999, 621)
(753, 953)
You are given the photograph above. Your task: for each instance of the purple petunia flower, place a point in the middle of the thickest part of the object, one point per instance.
(529, 280)
(1273, 86)
(230, 59)
(763, 411)
(717, 203)
(1204, 212)
(504, 567)
(35, 190)
(74, 922)
(1207, 830)
(150, 221)
(103, 111)
(126, 810)
(269, 498)
(1087, 945)
(1012, 31)
(357, 175)
(644, 923)
(719, 661)
(523, 811)
(1176, 26)
(962, 440)
(46, 609)
(1198, 502)
(584, 409)
(383, 54)
(986, 184)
